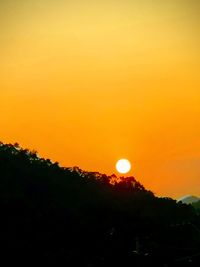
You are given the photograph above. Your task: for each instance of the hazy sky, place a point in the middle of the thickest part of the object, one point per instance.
(88, 82)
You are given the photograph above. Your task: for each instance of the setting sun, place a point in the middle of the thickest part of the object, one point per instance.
(123, 166)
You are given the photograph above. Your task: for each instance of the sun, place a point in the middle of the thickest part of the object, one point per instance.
(123, 166)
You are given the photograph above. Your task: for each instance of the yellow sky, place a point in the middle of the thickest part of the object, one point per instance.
(88, 82)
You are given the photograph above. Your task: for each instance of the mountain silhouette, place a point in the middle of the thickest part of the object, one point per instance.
(196, 205)
(54, 215)
(189, 199)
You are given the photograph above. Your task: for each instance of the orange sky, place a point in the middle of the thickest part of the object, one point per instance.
(88, 82)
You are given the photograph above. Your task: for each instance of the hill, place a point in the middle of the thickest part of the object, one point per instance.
(196, 205)
(189, 199)
(53, 215)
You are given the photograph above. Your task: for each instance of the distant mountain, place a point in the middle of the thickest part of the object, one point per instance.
(189, 199)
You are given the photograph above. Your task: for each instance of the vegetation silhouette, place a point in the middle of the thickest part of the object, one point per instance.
(196, 205)
(53, 215)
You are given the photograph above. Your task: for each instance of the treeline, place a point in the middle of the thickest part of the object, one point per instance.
(51, 214)
(196, 205)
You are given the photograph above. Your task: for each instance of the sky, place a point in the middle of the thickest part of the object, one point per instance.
(86, 83)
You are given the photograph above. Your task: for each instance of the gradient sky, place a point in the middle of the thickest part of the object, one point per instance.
(88, 82)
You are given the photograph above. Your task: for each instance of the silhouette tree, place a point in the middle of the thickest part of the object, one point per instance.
(52, 214)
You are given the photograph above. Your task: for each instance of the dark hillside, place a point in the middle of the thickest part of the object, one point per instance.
(55, 215)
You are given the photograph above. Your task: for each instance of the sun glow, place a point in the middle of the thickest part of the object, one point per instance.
(123, 166)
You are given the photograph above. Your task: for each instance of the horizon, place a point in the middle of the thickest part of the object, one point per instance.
(87, 84)
(117, 174)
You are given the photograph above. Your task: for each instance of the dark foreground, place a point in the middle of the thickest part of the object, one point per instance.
(64, 216)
